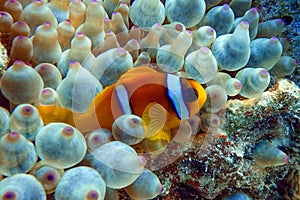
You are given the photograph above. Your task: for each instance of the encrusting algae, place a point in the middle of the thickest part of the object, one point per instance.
(119, 99)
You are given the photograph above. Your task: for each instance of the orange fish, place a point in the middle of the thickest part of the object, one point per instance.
(162, 100)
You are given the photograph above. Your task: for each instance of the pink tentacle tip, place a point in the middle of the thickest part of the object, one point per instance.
(238, 85)
(211, 31)
(106, 20)
(274, 39)
(2, 13)
(80, 35)
(161, 189)
(109, 32)
(74, 64)
(264, 73)
(68, 21)
(50, 177)
(142, 160)
(204, 50)
(253, 11)
(226, 7)
(245, 24)
(38, 2)
(22, 37)
(13, 136)
(93, 194)
(18, 63)
(189, 32)
(20, 23)
(9, 195)
(287, 159)
(179, 27)
(47, 25)
(27, 110)
(68, 131)
(135, 27)
(280, 21)
(46, 92)
(121, 51)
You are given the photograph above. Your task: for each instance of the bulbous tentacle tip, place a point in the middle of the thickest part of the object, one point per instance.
(121, 51)
(47, 25)
(211, 31)
(238, 85)
(67, 21)
(287, 159)
(12, 137)
(158, 25)
(274, 39)
(38, 2)
(179, 27)
(189, 33)
(244, 24)
(68, 131)
(264, 73)
(9, 195)
(141, 161)
(27, 111)
(254, 11)
(80, 35)
(75, 65)
(49, 177)
(18, 64)
(92, 195)
(107, 20)
(226, 6)
(280, 22)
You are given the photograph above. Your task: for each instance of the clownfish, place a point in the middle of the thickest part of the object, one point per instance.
(162, 100)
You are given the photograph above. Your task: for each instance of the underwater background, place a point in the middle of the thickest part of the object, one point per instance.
(149, 99)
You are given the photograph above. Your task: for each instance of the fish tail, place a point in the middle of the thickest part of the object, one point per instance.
(50, 114)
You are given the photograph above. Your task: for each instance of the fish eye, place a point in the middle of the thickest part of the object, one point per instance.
(190, 94)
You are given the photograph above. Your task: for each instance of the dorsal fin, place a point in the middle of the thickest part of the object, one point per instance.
(134, 73)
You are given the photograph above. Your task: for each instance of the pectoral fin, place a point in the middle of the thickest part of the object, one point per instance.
(154, 118)
(157, 143)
